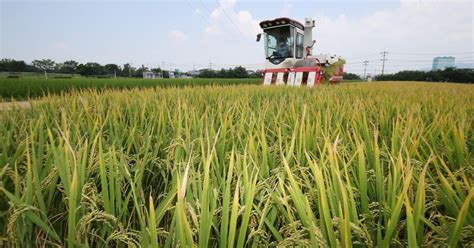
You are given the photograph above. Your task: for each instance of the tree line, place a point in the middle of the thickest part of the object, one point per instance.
(237, 72)
(74, 67)
(351, 76)
(92, 69)
(447, 75)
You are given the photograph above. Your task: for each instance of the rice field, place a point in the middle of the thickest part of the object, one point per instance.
(24, 88)
(363, 165)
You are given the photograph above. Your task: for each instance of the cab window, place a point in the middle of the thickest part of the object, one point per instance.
(299, 46)
(279, 42)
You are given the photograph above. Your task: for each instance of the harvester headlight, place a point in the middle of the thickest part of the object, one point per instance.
(283, 22)
(277, 22)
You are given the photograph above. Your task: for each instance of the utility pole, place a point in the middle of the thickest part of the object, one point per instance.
(366, 62)
(384, 55)
(130, 70)
(210, 65)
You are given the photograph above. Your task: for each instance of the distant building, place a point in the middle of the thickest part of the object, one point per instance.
(441, 63)
(152, 75)
(194, 73)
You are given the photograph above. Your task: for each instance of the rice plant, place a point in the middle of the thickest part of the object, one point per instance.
(24, 88)
(364, 165)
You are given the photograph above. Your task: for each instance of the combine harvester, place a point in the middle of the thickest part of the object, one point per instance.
(289, 60)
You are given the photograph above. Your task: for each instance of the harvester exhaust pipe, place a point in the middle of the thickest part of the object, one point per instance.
(308, 42)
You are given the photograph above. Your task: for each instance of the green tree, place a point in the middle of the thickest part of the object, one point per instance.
(177, 73)
(139, 72)
(58, 67)
(446, 75)
(45, 65)
(128, 70)
(112, 69)
(12, 65)
(239, 72)
(90, 69)
(166, 74)
(156, 70)
(351, 76)
(69, 66)
(207, 73)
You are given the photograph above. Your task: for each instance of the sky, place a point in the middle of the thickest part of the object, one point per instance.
(196, 34)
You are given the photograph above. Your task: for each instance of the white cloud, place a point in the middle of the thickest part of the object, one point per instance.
(197, 12)
(59, 45)
(286, 10)
(178, 36)
(416, 26)
(226, 19)
(214, 29)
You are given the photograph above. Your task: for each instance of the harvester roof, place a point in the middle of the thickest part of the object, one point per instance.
(281, 21)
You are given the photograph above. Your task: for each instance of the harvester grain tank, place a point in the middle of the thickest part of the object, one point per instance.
(289, 55)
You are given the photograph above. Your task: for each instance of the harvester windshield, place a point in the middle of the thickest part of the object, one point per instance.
(279, 42)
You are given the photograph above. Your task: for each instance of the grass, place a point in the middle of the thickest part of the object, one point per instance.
(25, 88)
(374, 165)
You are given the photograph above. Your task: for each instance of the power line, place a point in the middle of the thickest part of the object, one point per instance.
(192, 65)
(426, 60)
(228, 18)
(366, 62)
(384, 54)
(233, 23)
(408, 60)
(204, 19)
(358, 62)
(365, 56)
(209, 23)
(457, 53)
(205, 6)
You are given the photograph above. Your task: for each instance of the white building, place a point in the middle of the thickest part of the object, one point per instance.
(151, 75)
(441, 63)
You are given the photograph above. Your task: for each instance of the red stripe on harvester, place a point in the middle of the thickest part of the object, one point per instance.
(276, 70)
(305, 69)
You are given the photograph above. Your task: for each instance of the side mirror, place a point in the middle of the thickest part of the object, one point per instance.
(258, 37)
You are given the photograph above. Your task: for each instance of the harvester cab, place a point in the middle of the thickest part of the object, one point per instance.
(289, 59)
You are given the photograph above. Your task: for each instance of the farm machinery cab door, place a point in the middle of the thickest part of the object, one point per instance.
(281, 46)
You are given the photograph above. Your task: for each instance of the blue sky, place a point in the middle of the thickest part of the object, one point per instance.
(192, 33)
